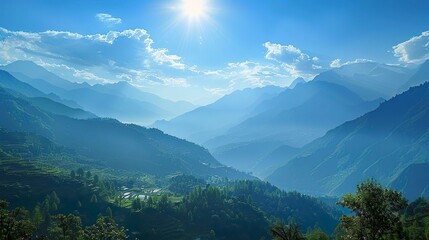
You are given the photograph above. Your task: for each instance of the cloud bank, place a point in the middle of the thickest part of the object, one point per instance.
(414, 50)
(293, 60)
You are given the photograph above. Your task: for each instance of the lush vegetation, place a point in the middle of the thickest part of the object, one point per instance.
(213, 212)
(59, 186)
(68, 178)
(112, 143)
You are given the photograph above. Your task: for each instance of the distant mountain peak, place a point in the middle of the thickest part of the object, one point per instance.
(297, 81)
(381, 144)
(29, 65)
(34, 71)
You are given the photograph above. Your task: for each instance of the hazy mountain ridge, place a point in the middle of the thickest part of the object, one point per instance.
(294, 117)
(119, 100)
(380, 144)
(411, 180)
(49, 103)
(297, 116)
(34, 72)
(419, 77)
(370, 80)
(113, 143)
(214, 119)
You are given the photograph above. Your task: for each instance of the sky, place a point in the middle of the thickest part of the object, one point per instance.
(199, 50)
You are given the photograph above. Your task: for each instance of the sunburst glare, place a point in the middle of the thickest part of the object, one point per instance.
(194, 9)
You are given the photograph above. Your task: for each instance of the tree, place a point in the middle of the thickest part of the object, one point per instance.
(80, 172)
(66, 227)
(150, 201)
(291, 231)
(88, 174)
(316, 234)
(376, 212)
(163, 203)
(14, 224)
(427, 231)
(105, 228)
(136, 204)
(109, 212)
(37, 216)
(72, 174)
(94, 199)
(54, 198)
(96, 179)
(212, 234)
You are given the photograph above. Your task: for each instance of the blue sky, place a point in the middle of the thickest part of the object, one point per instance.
(157, 46)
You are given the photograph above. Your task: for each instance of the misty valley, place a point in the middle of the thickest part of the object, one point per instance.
(107, 134)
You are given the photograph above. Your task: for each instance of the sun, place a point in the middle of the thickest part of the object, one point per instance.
(194, 9)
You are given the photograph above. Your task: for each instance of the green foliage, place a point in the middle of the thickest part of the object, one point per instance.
(291, 231)
(88, 174)
(112, 143)
(136, 205)
(279, 204)
(109, 212)
(80, 172)
(105, 229)
(96, 179)
(184, 184)
(94, 199)
(38, 218)
(316, 234)
(416, 220)
(14, 224)
(66, 227)
(376, 212)
(212, 234)
(17, 224)
(212, 209)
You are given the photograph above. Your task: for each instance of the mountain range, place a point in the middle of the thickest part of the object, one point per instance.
(293, 118)
(117, 100)
(204, 123)
(370, 80)
(319, 137)
(387, 144)
(112, 143)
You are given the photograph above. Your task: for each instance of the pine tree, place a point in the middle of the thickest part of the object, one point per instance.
(136, 204)
(37, 216)
(109, 212)
(94, 199)
(72, 174)
(96, 179)
(88, 174)
(80, 172)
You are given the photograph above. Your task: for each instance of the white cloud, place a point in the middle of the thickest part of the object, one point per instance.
(337, 62)
(108, 19)
(161, 56)
(414, 50)
(131, 48)
(293, 60)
